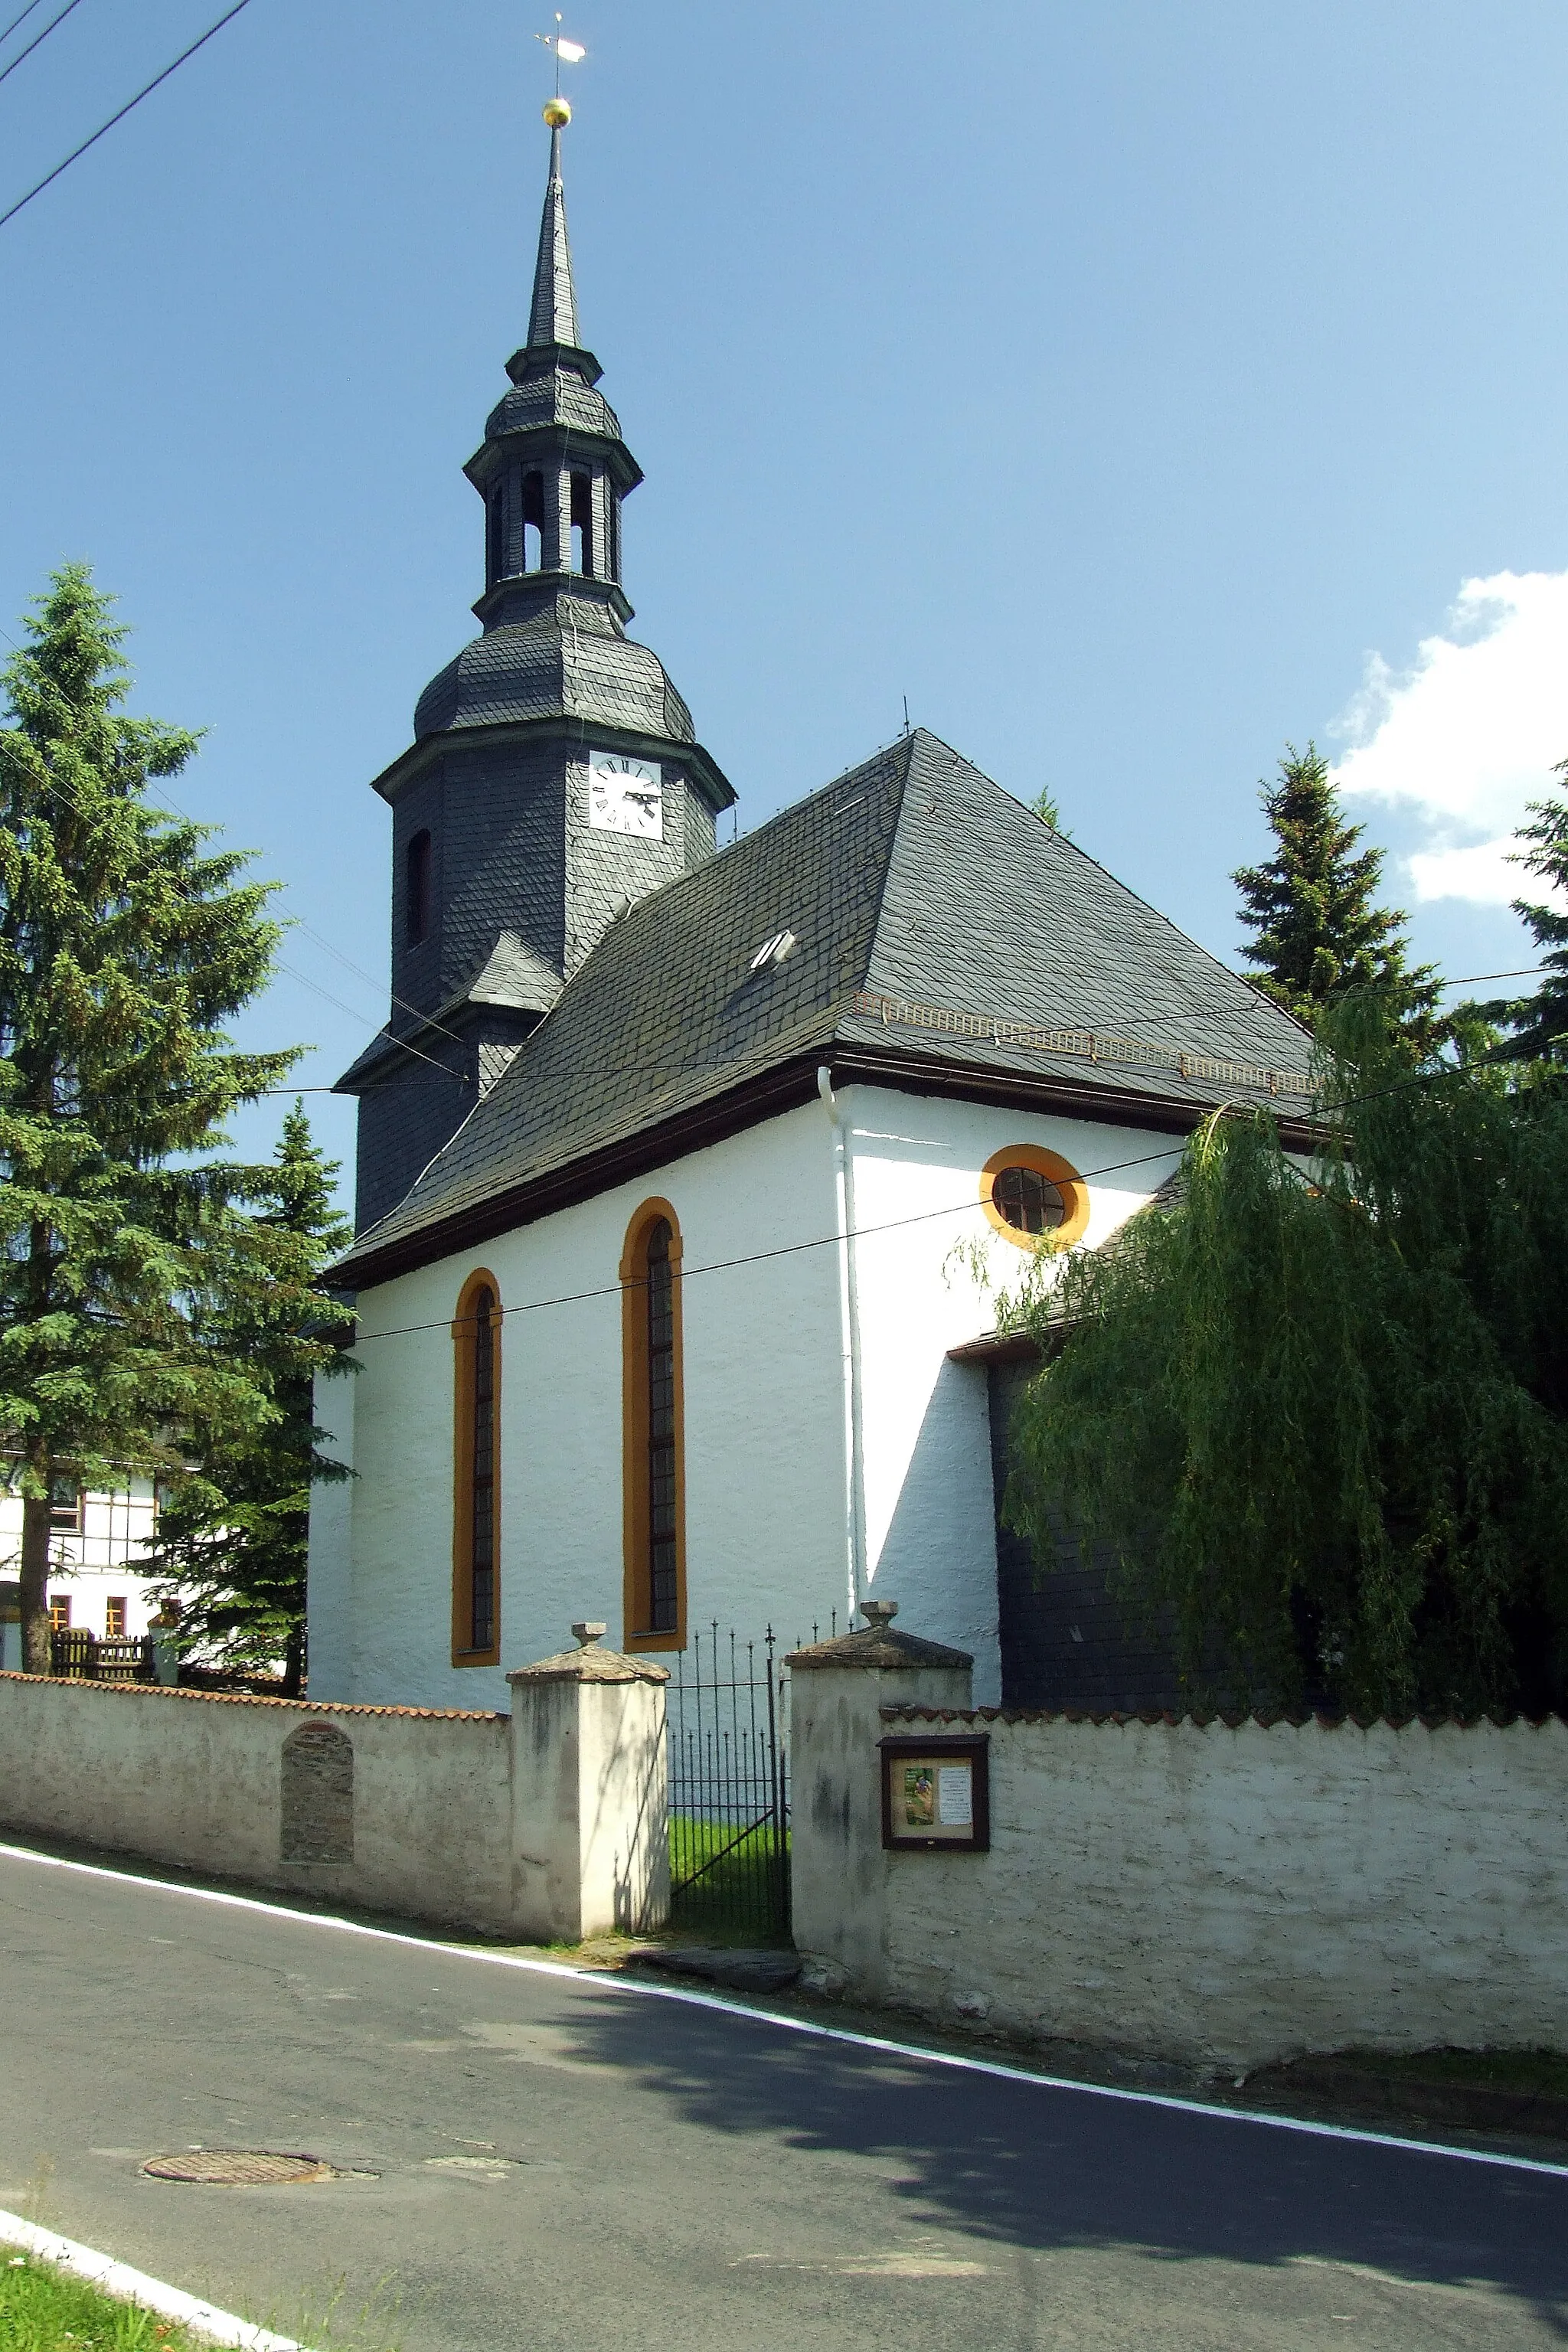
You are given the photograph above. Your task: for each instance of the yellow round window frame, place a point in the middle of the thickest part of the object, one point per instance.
(1056, 1171)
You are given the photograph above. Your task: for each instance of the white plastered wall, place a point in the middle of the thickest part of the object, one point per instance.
(929, 1503)
(767, 1478)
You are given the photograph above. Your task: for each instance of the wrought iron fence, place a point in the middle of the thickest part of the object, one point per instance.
(729, 1789)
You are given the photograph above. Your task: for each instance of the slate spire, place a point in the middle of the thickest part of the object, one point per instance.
(553, 316)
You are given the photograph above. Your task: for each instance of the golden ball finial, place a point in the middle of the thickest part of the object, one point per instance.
(557, 112)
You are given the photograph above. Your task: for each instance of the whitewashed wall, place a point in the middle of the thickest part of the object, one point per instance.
(1226, 1895)
(546, 1823)
(195, 1778)
(929, 1510)
(766, 1468)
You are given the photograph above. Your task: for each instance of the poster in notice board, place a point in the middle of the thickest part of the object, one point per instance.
(936, 1794)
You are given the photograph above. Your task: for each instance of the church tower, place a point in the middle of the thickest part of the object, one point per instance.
(554, 775)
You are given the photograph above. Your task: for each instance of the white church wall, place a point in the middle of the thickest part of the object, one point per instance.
(929, 1501)
(329, 1585)
(766, 1499)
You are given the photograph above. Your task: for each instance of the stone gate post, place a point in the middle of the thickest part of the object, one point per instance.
(590, 1833)
(837, 1865)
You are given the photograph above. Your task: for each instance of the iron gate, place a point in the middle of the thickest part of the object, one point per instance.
(729, 1789)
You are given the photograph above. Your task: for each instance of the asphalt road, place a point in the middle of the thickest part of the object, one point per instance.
(538, 2161)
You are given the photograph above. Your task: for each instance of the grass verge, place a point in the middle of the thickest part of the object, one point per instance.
(43, 2310)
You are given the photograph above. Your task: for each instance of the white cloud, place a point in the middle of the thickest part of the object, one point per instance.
(1470, 733)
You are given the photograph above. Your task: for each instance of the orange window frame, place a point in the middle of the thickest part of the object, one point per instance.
(637, 1481)
(1055, 1171)
(463, 1448)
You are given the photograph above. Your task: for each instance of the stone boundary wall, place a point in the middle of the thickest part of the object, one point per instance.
(1245, 1893)
(1225, 1893)
(202, 1777)
(545, 1823)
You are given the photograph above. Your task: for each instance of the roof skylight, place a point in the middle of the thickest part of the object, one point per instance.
(783, 944)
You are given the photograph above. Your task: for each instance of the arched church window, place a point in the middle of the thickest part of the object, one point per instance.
(614, 507)
(1031, 1195)
(495, 534)
(654, 1500)
(476, 1528)
(533, 522)
(583, 524)
(416, 888)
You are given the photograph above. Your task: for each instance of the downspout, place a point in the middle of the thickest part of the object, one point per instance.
(849, 1313)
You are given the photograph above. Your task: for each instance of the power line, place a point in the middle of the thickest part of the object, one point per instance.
(77, 152)
(892, 1224)
(756, 1257)
(17, 20)
(37, 39)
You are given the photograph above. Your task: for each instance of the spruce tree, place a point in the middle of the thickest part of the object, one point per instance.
(1540, 1022)
(1317, 930)
(125, 943)
(233, 1537)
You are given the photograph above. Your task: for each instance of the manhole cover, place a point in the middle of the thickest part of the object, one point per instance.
(238, 2167)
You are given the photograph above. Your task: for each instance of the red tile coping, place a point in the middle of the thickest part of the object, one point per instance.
(1266, 1721)
(251, 1698)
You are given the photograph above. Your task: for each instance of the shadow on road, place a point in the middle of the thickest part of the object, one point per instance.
(1027, 2166)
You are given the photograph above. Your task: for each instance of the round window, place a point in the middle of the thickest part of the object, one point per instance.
(1034, 1198)
(1029, 1201)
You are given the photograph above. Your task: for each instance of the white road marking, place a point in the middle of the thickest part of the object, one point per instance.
(636, 1987)
(126, 2285)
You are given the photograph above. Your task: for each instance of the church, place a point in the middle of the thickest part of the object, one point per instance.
(686, 1173)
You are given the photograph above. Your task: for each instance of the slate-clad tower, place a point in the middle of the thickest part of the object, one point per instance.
(554, 774)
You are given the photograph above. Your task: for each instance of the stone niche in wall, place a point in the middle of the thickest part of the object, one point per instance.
(317, 1807)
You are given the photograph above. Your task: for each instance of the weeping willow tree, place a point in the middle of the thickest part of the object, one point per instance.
(1322, 1419)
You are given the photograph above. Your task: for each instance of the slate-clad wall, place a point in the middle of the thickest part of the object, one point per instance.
(1226, 1895)
(405, 1121)
(504, 854)
(1066, 1642)
(511, 849)
(603, 868)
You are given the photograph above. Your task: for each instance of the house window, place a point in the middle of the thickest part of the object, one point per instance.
(533, 522)
(583, 524)
(114, 1617)
(64, 1506)
(476, 1528)
(416, 888)
(653, 1432)
(1031, 1195)
(60, 1612)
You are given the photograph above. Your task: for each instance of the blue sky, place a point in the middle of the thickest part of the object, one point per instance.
(1134, 388)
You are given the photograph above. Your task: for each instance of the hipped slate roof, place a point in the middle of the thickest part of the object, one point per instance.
(916, 889)
(566, 659)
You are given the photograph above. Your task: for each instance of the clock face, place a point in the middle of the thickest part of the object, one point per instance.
(626, 795)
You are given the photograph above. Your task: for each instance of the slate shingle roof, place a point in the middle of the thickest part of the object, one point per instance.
(568, 659)
(912, 876)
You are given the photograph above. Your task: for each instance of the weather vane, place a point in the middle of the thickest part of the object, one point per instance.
(558, 110)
